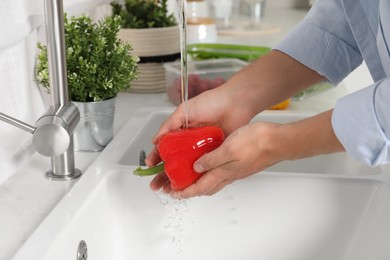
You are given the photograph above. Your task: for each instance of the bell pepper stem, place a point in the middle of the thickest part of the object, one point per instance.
(149, 171)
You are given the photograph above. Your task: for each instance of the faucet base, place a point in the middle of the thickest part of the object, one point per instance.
(55, 177)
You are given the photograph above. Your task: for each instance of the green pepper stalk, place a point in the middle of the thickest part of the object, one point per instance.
(149, 171)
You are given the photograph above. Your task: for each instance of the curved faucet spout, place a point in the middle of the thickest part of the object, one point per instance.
(63, 167)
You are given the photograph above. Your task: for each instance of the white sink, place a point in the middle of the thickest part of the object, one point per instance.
(273, 215)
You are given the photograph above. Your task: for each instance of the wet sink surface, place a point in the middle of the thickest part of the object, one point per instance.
(272, 215)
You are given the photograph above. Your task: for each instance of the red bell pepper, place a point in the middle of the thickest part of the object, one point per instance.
(179, 150)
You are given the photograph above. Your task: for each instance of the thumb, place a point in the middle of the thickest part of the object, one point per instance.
(210, 161)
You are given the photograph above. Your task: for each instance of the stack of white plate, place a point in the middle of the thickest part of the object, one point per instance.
(151, 44)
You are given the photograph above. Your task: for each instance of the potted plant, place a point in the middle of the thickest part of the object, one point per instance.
(99, 66)
(155, 37)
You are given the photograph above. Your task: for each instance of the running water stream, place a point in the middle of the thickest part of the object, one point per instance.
(182, 12)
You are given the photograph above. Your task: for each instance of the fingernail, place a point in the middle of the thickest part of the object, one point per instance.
(198, 168)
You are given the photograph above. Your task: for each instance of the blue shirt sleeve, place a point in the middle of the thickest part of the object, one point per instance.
(323, 44)
(361, 123)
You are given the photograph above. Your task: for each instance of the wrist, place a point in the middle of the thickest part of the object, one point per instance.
(271, 140)
(310, 137)
(301, 139)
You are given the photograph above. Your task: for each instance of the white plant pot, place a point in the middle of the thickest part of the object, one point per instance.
(154, 46)
(151, 42)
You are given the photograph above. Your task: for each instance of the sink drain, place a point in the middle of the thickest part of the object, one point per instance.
(142, 157)
(82, 251)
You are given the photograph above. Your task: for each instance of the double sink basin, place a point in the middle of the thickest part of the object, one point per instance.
(325, 207)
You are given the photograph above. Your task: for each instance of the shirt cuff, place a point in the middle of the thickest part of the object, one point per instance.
(355, 123)
(321, 51)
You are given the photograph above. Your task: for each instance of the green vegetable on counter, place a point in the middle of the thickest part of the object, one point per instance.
(203, 51)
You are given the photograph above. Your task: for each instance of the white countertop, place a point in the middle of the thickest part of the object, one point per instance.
(27, 197)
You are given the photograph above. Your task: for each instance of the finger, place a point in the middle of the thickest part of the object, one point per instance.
(174, 122)
(153, 158)
(159, 181)
(219, 187)
(207, 182)
(212, 160)
(167, 188)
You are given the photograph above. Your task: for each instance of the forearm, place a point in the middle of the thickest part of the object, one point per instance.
(309, 137)
(270, 80)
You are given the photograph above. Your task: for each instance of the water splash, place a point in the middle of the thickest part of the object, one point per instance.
(178, 212)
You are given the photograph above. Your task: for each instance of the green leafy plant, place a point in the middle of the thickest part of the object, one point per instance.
(99, 65)
(144, 14)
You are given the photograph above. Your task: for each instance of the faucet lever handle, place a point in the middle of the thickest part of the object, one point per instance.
(52, 132)
(50, 137)
(15, 122)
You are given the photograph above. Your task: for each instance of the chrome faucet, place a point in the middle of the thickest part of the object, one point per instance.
(53, 131)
